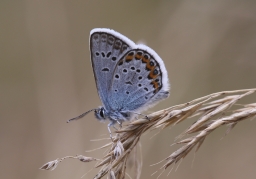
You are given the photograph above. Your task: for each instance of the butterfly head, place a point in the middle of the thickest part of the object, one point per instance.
(100, 113)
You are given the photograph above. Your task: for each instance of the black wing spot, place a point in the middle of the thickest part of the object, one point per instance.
(127, 92)
(146, 89)
(114, 58)
(140, 77)
(105, 69)
(103, 54)
(124, 70)
(138, 70)
(132, 68)
(116, 76)
(146, 97)
(120, 63)
(111, 40)
(97, 53)
(108, 54)
(103, 37)
(139, 85)
(115, 90)
(124, 47)
(155, 72)
(146, 56)
(96, 36)
(128, 83)
(117, 44)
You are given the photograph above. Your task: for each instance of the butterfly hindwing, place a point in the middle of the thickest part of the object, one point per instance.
(139, 80)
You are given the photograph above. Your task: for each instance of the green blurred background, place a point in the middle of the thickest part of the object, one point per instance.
(46, 78)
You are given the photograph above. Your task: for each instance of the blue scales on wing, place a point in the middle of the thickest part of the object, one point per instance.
(106, 49)
(137, 81)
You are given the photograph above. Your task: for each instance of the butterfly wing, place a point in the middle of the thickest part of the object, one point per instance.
(140, 80)
(107, 47)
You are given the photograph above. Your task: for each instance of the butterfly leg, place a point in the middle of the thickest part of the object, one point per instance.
(120, 124)
(109, 130)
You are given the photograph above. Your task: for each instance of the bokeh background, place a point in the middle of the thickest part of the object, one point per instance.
(46, 78)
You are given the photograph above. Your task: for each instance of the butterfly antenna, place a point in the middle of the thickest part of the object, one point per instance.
(80, 116)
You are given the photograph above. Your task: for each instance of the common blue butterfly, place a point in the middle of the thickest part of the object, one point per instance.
(129, 77)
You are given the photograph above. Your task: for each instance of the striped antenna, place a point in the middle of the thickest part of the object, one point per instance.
(80, 116)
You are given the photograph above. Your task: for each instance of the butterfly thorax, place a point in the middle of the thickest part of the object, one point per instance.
(113, 115)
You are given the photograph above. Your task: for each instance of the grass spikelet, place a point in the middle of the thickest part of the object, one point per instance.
(211, 111)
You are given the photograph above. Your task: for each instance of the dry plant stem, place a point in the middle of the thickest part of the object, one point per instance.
(198, 139)
(206, 108)
(53, 164)
(212, 111)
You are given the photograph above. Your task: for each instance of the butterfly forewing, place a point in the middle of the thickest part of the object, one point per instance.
(107, 47)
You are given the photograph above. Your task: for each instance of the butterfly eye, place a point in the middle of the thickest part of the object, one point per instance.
(102, 113)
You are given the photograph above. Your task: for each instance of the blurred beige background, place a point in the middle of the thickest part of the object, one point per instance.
(46, 78)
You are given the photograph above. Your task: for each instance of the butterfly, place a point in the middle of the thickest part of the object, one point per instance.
(130, 78)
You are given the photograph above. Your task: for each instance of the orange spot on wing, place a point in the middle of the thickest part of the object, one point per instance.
(137, 56)
(145, 59)
(156, 86)
(151, 75)
(128, 58)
